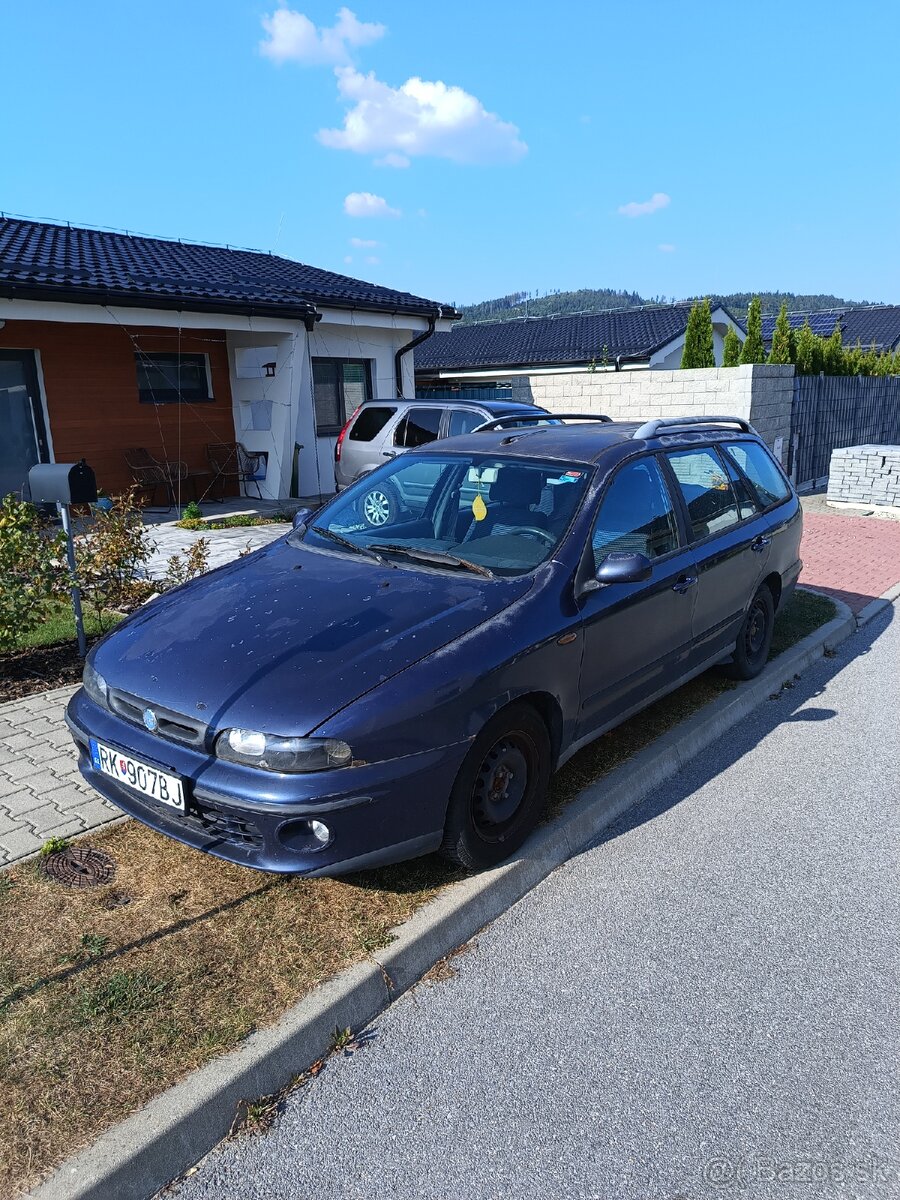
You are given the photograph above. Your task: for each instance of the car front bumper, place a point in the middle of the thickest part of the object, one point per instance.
(376, 813)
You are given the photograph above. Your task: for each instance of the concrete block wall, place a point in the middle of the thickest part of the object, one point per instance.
(865, 475)
(762, 394)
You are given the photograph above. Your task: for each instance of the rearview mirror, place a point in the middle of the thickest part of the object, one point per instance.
(624, 567)
(301, 516)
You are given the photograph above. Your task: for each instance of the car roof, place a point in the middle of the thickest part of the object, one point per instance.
(586, 443)
(498, 407)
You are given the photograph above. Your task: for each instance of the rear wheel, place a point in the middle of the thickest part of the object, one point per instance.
(379, 506)
(500, 791)
(755, 639)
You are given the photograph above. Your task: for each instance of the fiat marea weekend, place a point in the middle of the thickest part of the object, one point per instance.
(353, 695)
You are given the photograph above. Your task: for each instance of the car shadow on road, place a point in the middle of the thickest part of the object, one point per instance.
(782, 707)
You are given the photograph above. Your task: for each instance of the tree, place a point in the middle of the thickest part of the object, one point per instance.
(754, 350)
(732, 351)
(833, 358)
(808, 352)
(698, 338)
(783, 348)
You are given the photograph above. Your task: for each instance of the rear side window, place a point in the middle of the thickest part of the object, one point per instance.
(636, 514)
(463, 420)
(759, 467)
(370, 422)
(419, 427)
(707, 491)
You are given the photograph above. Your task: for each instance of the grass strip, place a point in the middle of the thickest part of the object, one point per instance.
(109, 996)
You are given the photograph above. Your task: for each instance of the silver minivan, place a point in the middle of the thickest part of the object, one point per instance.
(382, 429)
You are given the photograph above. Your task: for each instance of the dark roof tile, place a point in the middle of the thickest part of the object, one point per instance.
(39, 261)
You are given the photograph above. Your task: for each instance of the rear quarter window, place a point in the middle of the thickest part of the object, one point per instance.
(370, 422)
(761, 469)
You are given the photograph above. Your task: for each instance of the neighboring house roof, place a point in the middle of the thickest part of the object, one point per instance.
(57, 262)
(632, 334)
(876, 323)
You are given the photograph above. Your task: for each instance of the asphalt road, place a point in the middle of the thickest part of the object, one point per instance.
(705, 1004)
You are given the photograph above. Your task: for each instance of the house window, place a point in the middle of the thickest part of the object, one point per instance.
(340, 385)
(170, 378)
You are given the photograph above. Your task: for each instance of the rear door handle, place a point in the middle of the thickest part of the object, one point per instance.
(759, 544)
(683, 583)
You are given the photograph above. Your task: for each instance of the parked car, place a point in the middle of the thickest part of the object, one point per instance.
(347, 697)
(382, 429)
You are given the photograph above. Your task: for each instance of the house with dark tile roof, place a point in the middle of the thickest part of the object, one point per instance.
(651, 337)
(111, 342)
(873, 323)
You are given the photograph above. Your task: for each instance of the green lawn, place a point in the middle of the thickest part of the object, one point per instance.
(60, 627)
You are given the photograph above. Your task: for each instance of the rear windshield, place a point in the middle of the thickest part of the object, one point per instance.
(370, 422)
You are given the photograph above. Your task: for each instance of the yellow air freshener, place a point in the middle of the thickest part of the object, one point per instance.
(479, 508)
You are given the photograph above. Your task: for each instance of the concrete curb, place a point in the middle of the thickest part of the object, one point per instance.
(874, 607)
(151, 1147)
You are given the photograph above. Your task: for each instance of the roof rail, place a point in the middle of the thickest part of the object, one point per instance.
(658, 425)
(538, 418)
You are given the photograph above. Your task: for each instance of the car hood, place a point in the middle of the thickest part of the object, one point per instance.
(282, 640)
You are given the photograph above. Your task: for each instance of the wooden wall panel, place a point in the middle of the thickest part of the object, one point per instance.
(92, 394)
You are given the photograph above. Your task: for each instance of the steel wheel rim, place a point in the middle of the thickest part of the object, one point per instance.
(502, 784)
(376, 508)
(755, 633)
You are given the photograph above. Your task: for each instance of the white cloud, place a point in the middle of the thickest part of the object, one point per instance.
(367, 204)
(372, 259)
(363, 243)
(419, 118)
(666, 248)
(392, 160)
(643, 208)
(291, 36)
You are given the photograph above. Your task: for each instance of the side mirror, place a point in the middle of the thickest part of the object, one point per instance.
(301, 516)
(624, 567)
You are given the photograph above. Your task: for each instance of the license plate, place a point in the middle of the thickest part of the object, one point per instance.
(166, 789)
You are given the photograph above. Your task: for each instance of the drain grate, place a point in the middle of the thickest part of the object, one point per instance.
(80, 867)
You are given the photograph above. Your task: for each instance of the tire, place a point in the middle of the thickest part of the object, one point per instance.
(491, 813)
(379, 506)
(755, 638)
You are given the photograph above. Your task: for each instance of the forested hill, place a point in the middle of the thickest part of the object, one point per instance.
(530, 304)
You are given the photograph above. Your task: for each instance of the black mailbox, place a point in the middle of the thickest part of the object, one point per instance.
(62, 483)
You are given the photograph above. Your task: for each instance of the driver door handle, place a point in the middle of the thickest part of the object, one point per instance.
(683, 583)
(759, 544)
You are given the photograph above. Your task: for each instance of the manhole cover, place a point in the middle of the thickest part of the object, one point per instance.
(80, 867)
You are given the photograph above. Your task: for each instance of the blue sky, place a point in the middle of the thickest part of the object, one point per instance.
(756, 143)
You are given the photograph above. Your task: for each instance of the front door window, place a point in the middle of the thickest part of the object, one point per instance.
(22, 439)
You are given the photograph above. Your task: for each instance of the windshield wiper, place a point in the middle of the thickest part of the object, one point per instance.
(436, 556)
(342, 541)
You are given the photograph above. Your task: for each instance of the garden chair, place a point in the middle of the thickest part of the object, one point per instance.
(230, 461)
(150, 474)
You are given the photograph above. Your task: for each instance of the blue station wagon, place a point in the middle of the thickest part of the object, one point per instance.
(350, 696)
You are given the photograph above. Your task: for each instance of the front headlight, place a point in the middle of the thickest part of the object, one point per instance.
(285, 754)
(95, 685)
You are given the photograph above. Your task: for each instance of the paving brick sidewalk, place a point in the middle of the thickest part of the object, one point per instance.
(42, 794)
(856, 559)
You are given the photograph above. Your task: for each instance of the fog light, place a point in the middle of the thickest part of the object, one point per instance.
(306, 836)
(320, 831)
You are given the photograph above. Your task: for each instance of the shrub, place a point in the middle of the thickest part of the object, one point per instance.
(731, 355)
(698, 338)
(192, 511)
(33, 572)
(753, 349)
(111, 558)
(183, 567)
(783, 350)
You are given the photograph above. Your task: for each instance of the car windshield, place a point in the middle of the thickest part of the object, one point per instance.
(462, 512)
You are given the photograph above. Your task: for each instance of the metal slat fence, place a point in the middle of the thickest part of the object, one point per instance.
(832, 411)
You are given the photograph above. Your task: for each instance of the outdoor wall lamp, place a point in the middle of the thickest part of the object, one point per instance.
(269, 369)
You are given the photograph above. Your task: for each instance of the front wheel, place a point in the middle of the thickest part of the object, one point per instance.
(500, 791)
(379, 506)
(755, 639)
